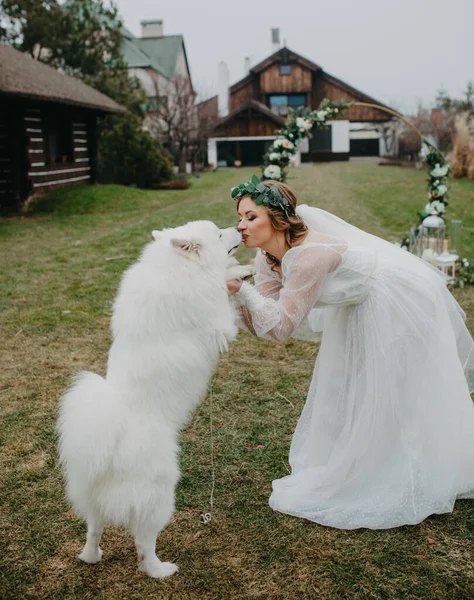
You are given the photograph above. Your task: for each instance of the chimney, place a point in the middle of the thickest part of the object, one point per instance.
(436, 117)
(275, 39)
(247, 65)
(223, 97)
(152, 28)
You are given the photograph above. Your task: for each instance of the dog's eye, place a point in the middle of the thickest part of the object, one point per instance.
(220, 236)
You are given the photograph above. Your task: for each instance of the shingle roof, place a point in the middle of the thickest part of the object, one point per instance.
(21, 75)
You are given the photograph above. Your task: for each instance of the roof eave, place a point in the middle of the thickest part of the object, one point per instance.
(88, 106)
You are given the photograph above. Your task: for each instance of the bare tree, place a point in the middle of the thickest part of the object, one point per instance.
(390, 131)
(173, 119)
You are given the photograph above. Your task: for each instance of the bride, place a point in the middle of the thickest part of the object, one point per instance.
(386, 437)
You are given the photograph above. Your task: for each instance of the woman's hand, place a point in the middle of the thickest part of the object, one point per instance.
(233, 286)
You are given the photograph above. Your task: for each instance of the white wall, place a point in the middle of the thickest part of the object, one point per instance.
(212, 151)
(340, 136)
(367, 134)
(146, 80)
(181, 64)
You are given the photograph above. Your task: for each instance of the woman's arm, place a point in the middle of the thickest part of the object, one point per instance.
(267, 283)
(278, 318)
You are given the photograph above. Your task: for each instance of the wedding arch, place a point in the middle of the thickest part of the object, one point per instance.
(299, 124)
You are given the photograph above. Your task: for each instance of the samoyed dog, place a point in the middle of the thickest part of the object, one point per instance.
(118, 435)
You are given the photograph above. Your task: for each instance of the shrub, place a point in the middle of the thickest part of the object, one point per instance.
(174, 184)
(462, 158)
(127, 155)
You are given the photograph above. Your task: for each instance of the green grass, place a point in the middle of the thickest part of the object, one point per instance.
(60, 268)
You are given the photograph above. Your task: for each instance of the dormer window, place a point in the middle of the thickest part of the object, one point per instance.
(285, 69)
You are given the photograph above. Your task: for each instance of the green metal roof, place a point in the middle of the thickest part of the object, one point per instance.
(164, 50)
(159, 53)
(133, 56)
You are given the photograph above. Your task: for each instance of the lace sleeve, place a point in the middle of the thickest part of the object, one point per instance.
(267, 283)
(305, 274)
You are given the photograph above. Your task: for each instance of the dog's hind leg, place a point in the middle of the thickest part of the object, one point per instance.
(91, 552)
(145, 541)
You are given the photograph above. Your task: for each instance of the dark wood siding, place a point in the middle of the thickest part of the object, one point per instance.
(45, 170)
(247, 125)
(27, 164)
(271, 82)
(241, 96)
(13, 158)
(9, 200)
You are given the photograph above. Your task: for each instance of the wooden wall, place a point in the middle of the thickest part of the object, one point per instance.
(241, 96)
(26, 167)
(241, 125)
(299, 81)
(76, 169)
(324, 86)
(12, 157)
(208, 111)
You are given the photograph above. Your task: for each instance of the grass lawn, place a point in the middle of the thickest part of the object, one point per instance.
(60, 270)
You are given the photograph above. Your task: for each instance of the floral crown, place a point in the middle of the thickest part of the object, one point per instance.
(262, 195)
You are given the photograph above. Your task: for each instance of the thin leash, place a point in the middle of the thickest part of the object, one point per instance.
(206, 518)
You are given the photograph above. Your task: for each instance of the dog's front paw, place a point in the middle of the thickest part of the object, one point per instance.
(240, 272)
(91, 556)
(158, 569)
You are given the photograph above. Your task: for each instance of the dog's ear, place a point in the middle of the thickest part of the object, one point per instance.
(156, 234)
(187, 246)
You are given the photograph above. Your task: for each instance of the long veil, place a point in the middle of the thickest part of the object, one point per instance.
(325, 222)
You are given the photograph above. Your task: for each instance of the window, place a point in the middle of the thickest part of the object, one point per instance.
(321, 140)
(279, 103)
(285, 69)
(58, 138)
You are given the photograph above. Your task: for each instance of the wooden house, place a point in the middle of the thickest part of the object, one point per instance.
(258, 104)
(48, 125)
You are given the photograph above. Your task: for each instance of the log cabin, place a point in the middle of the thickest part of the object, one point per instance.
(48, 128)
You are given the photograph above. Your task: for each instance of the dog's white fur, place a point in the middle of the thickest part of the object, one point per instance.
(119, 435)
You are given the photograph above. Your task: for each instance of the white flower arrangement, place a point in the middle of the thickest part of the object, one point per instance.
(272, 172)
(274, 156)
(435, 208)
(303, 124)
(439, 171)
(441, 189)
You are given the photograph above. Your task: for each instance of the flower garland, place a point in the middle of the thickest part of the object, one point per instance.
(437, 183)
(298, 126)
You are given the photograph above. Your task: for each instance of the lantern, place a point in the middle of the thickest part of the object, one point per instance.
(446, 262)
(431, 235)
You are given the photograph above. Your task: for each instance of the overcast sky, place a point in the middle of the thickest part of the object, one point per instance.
(399, 52)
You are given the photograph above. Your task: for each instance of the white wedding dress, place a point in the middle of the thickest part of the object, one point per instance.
(386, 436)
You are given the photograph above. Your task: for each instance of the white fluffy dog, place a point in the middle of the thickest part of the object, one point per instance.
(119, 435)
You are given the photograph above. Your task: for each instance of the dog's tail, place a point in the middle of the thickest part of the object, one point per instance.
(88, 428)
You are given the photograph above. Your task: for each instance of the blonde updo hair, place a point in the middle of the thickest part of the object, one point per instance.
(292, 225)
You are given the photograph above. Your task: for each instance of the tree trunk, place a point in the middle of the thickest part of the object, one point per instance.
(182, 160)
